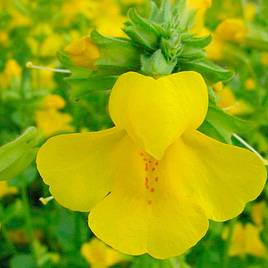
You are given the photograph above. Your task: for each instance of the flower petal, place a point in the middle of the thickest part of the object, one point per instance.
(78, 167)
(221, 178)
(143, 213)
(155, 112)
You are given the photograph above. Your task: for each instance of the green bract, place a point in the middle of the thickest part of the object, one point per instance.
(158, 44)
(16, 155)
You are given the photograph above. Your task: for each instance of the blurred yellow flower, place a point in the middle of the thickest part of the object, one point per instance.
(6, 189)
(215, 50)
(18, 19)
(264, 58)
(99, 255)
(51, 45)
(250, 10)
(110, 25)
(152, 182)
(250, 84)
(83, 52)
(258, 212)
(228, 102)
(246, 240)
(12, 69)
(53, 101)
(42, 79)
(4, 38)
(231, 29)
(201, 7)
(41, 29)
(12, 72)
(72, 8)
(51, 121)
(218, 86)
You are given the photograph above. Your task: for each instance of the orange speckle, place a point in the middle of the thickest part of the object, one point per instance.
(153, 169)
(156, 163)
(149, 202)
(156, 179)
(146, 167)
(152, 190)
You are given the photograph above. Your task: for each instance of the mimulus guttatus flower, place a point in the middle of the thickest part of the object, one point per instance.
(152, 182)
(99, 255)
(246, 240)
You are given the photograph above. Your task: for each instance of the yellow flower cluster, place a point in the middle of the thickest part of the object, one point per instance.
(49, 119)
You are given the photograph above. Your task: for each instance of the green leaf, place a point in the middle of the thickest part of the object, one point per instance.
(82, 86)
(198, 42)
(221, 126)
(116, 55)
(22, 261)
(209, 70)
(142, 31)
(17, 155)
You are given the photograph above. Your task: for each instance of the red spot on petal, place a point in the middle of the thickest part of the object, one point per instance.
(152, 190)
(149, 202)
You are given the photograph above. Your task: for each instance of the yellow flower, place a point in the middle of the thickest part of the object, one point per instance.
(4, 38)
(72, 8)
(231, 29)
(257, 213)
(152, 182)
(201, 7)
(6, 189)
(12, 72)
(250, 84)
(42, 79)
(250, 10)
(53, 102)
(228, 102)
(264, 58)
(51, 121)
(215, 49)
(51, 45)
(18, 19)
(110, 25)
(218, 86)
(83, 52)
(246, 240)
(99, 255)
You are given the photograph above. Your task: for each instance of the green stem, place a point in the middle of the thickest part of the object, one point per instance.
(225, 263)
(28, 219)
